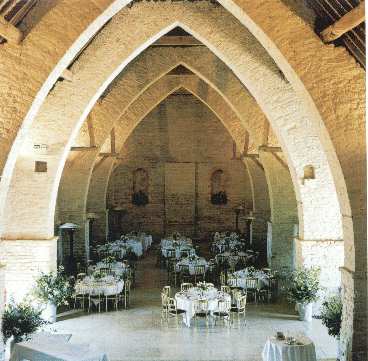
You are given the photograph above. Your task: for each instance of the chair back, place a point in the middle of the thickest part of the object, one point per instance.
(241, 303)
(199, 269)
(171, 304)
(127, 285)
(224, 306)
(201, 305)
(222, 278)
(225, 289)
(186, 286)
(166, 290)
(164, 299)
(171, 253)
(184, 269)
(251, 283)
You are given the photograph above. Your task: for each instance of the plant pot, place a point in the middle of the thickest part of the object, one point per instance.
(338, 353)
(305, 311)
(49, 313)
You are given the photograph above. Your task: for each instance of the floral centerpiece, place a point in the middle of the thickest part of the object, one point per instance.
(54, 289)
(203, 286)
(192, 258)
(20, 320)
(303, 290)
(109, 260)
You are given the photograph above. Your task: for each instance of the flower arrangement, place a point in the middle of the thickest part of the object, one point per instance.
(219, 198)
(203, 286)
(304, 285)
(20, 320)
(331, 314)
(53, 287)
(139, 198)
(109, 260)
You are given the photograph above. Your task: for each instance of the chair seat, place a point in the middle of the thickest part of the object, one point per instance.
(220, 314)
(179, 312)
(202, 314)
(234, 309)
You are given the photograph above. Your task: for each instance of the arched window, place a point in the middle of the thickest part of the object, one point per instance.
(218, 187)
(140, 187)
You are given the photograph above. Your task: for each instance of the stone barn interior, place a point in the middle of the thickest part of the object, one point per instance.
(183, 180)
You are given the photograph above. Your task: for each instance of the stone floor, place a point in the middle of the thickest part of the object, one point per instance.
(139, 334)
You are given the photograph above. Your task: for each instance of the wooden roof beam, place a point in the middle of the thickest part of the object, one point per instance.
(67, 75)
(82, 149)
(10, 32)
(267, 148)
(346, 23)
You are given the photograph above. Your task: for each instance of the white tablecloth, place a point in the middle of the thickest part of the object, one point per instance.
(177, 250)
(275, 350)
(192, 263)
(107, 286)
(169, 242)
(238, 278)
(135, 245)
(186, 301)
(117, 267)
(51, 350)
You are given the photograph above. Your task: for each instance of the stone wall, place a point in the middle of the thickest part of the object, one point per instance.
(180, 133)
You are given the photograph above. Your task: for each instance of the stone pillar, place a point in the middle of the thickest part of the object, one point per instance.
(24, 260)
(354, 338)
(283, 209)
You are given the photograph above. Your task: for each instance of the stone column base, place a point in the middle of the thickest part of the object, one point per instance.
(24, 260)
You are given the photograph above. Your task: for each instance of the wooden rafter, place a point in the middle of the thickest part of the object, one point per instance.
(83, 149)
(108, 154)
(346, 23)
(112, 141)
(246, 144)
(266, 132)
(10, 32)
(266, 148)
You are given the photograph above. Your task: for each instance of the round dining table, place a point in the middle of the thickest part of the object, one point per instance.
(280, 350)
(187, 300)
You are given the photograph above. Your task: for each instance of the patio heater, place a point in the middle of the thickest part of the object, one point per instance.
(71, 264)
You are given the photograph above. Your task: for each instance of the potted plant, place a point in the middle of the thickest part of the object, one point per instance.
(19, 321)
(303, 290)
(331, 316)
(54, 289)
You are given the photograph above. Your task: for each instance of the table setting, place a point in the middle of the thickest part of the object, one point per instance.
(192, 261)
(186, 300)
(289, 348)
(177, 246)
(120, 269)
(232, 258)
(238, 278)
(97, 284)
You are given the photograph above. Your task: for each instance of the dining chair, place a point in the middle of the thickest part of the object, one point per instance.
(223, 311)
(222, 278)
(127, 286)
(184, 273)
(226, 289)
(186, 286)
(251, 287)
(199, 273)
(172, 310)
(114, 297)
(82, 295)
(164, 306)
(95, 296)
(201, 310)
(240, 307)
(167, 290)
